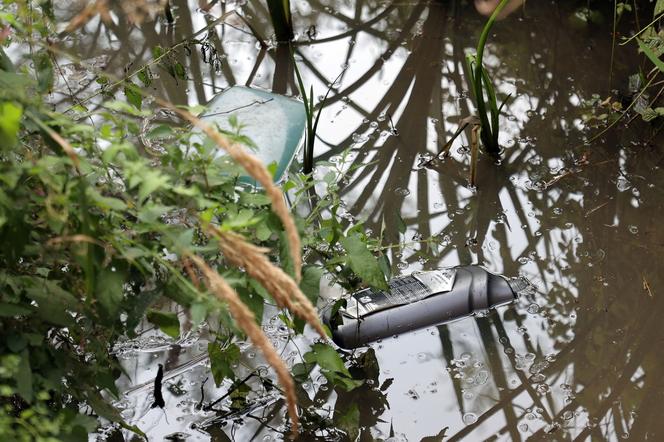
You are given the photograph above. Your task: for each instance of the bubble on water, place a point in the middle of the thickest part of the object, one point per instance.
(543, 388)
(633, 229)
(465, 356)
(537, 367)
(533, 309)
(523, 427)
(623, 184)
(401, 191)
(469, 418)
(568, 415)
(537, 378)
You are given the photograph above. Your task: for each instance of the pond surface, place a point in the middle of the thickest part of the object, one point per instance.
(575, 359)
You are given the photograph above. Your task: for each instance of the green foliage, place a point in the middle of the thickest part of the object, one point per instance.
(222, 360)
(166, 321)
(332, 366)
(96, 235)
(363, 263)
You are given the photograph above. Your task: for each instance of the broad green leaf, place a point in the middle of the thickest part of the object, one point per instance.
(310, 283)
(24, 377)
(133, 94)
(659, 8)
(166, 321)
(104, 202)
(198, 312)
(145, 75)
(10, 122)
(136, 305)
(348, 420)
(110, 292)
(363, 262)
(160, 131)
(331, 365)
(651, 55)
(54, 302)
(180, 71)
(221, 361)
(44, 71)
(385, 266)
(11, 310)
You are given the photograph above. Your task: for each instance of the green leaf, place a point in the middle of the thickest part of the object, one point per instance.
(385, 266)
(104, 202)
(133, 94)
(151, 180)
(659, 8)
(310, 284)
(244, 218)
(11, 310)
(363, 262)
(221, 361)
(44, 71)
(401, 225)
(348, 421)
(24, 377)
(331, 365)
(166, 321)
(198, 312)
(180, 71)
(145, 75)
(10, 122)
(161, 131)
(651, 55)
(110, 292)
(54, 302)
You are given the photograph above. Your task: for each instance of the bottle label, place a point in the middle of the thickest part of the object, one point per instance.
(403, 290)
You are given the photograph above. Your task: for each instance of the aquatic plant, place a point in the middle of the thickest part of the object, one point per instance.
(480, 84)
(313, 116)
(282, 20)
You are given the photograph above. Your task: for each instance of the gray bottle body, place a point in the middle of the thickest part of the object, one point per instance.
(416, 301)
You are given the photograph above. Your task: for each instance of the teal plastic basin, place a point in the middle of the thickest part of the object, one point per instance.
(275, 123)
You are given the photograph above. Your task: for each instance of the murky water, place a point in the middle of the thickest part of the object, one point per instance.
(575, 359)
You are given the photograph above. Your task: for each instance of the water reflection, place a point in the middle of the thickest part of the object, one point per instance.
(573, 359)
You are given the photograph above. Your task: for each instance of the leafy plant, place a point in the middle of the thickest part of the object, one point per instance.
(487, 108)
(312, 116)
(99, 235)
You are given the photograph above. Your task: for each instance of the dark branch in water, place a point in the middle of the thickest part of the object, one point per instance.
(158, 397)
(200, 403)
(230, 391)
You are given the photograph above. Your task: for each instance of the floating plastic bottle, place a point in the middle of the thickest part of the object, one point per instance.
(416, 301)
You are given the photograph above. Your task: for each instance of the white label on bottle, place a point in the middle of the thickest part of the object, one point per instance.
(438, 281)
(403, 290)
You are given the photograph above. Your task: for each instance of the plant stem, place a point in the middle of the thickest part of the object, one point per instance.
(487, 130)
